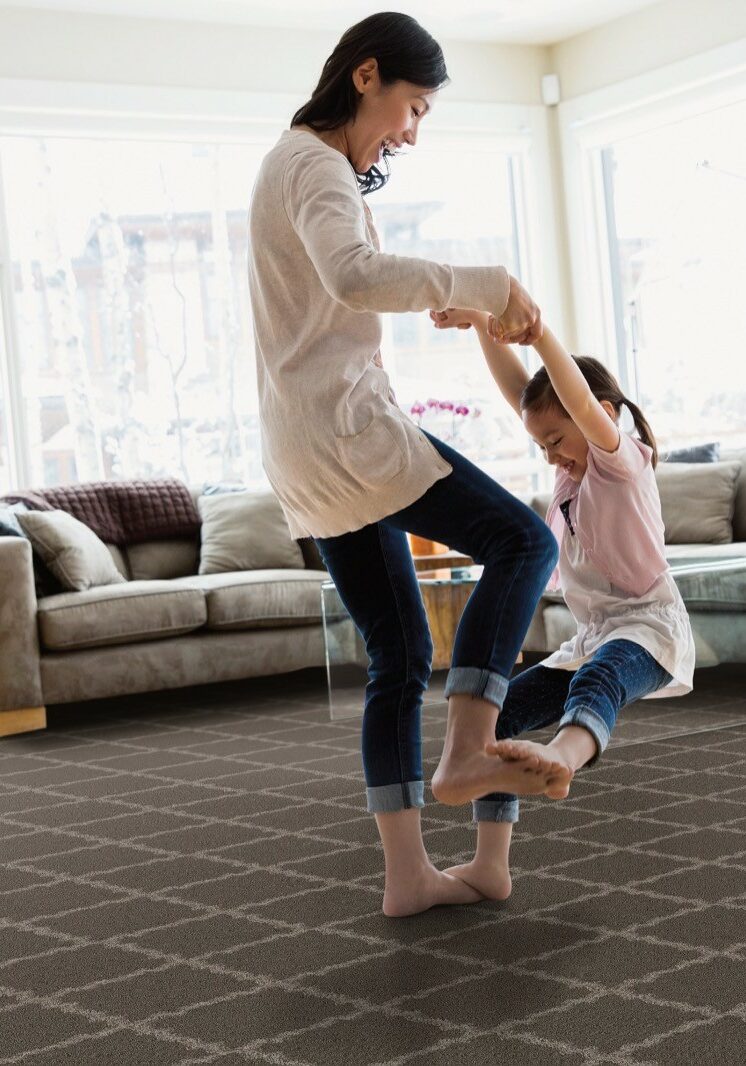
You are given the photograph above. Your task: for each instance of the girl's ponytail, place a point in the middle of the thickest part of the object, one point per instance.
(642, 426)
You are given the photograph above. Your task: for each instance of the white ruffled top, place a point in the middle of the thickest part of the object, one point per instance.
(658, 621)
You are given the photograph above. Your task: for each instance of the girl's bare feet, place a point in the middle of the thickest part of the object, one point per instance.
(430, 887)
(491, 879)
(557, 774)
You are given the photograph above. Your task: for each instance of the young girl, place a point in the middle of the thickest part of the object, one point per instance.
(634, 639)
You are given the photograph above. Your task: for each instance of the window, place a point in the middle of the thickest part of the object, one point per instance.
(128, 263)
(133, 342)
(674, 196)
(455, 203)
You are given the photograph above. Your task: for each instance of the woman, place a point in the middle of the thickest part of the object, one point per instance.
(351, 469)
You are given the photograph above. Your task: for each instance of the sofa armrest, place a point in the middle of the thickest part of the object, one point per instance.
(20, 678)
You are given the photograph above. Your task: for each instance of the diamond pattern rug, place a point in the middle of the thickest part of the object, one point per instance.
(191, 877)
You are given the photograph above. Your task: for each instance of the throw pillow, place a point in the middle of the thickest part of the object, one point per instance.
(698, 453)
(45, 583)
(72, 551)
(697, 501)
(246, 531)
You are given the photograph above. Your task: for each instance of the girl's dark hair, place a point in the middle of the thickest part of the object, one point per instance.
(405, 52)
(539, 395)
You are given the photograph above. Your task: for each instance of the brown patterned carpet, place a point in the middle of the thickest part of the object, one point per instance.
(191, 877)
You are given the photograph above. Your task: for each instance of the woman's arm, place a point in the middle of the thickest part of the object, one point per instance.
(322, 203)
(575, 394)
(506, 368)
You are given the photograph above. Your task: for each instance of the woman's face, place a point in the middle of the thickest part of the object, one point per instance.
(387, 116)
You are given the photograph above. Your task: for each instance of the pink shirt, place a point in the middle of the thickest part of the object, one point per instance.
(616, 514)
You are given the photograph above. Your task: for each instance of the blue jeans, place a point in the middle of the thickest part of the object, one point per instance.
(618, 674)
(373, 571)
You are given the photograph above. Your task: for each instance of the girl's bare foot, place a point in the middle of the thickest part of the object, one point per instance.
(492, 880)
(429, 888)
(464, 776)
(557, 774)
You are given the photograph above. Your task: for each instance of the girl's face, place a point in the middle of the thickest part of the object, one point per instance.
(559, 439)
(387, 116)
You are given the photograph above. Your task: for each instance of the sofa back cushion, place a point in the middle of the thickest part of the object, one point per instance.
(160, 560)
(697, 501)
(246, 531)
(119, 557)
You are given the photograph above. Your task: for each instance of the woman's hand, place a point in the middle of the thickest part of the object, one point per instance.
(520, 322)
(456, 318)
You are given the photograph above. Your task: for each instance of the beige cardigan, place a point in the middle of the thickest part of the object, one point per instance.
(337, 449)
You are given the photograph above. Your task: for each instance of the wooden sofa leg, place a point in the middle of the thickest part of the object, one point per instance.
(23, 720)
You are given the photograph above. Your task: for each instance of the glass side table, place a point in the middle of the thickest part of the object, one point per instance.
(444, 593)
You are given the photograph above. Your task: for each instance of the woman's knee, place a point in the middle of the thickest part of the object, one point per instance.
(526, 536)
(400, 665)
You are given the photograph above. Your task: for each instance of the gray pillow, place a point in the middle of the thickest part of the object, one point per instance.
(698, 453)
(246, 531)
(75, 555)
(697, 501)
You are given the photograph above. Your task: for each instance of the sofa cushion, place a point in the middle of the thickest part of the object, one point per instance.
(119, 614)
(72, 551)
(697, 501)
(685, 554)
(260, 599)
(715, 586)
(245, 531)
(163, 559)
(710, 577)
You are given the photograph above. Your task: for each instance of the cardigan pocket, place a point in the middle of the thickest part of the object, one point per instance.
(373, 457)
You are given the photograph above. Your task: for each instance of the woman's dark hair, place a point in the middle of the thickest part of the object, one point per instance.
(405, 52)
(539, 395)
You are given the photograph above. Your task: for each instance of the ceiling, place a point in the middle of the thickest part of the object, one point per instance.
(538, 22)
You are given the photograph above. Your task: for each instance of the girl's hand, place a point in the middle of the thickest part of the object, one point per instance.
(454, 318)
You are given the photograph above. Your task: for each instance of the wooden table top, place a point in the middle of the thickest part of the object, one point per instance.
(450, 559)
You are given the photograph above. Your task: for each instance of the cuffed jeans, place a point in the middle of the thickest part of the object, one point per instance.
(619, 673)
(373, 571)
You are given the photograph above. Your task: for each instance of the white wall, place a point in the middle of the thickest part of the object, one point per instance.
(644, 41)
(100, 48)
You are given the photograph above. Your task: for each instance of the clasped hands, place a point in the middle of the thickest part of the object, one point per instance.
(520, 322)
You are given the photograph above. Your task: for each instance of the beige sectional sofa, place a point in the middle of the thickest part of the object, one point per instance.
(166, 626)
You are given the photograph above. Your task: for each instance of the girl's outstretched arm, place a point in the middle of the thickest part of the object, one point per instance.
(506, 368)
(575, 395)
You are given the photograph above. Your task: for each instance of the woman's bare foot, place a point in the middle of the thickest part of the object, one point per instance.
(492, 880)
(464, 776)
(556, 772)
(430, 888)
